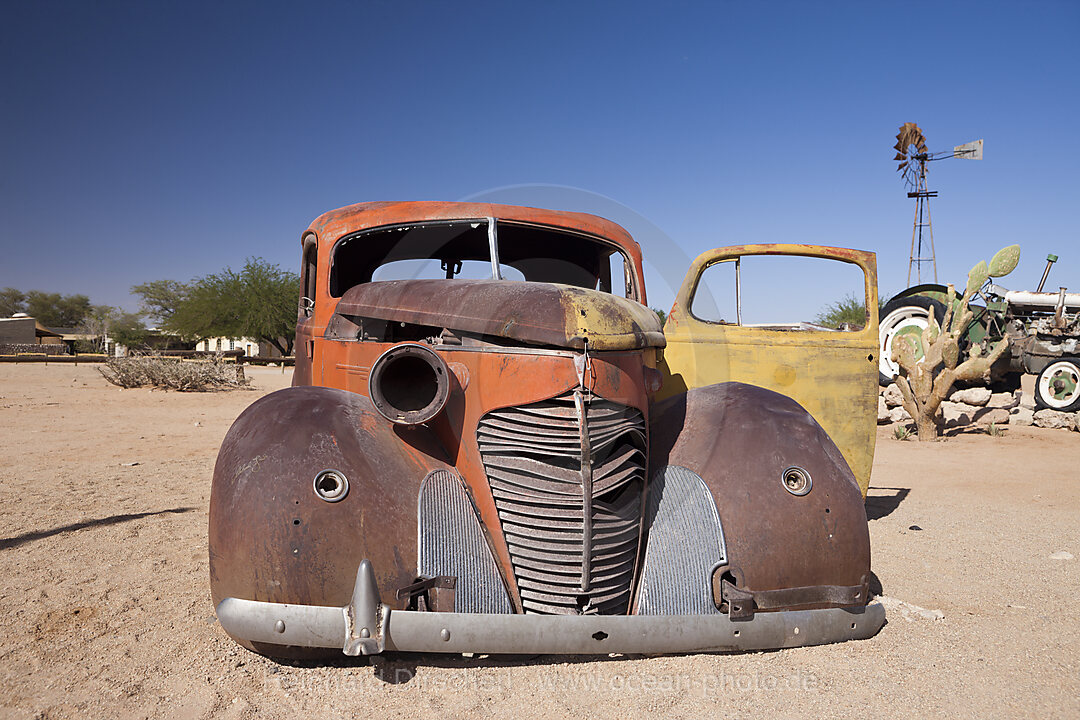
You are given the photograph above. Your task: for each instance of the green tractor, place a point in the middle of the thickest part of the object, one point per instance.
(1043, 329)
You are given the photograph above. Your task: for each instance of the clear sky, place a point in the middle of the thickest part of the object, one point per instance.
(151, 140)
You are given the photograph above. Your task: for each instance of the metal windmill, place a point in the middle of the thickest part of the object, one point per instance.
(912, 155)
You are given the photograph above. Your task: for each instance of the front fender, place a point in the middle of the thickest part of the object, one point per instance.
(273, 539)
(740, 439)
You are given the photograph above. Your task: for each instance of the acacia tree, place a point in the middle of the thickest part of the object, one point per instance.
(259, 301)
(12, 301)
(105, 321)
(52, 309)
(160, 298)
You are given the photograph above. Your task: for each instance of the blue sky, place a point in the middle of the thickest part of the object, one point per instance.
(141, 141)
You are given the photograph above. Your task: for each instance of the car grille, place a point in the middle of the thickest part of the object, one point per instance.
(573, 551)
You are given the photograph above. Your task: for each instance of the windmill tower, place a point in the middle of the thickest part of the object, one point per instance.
(912, 155)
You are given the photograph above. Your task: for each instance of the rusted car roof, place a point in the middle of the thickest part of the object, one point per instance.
(531, 312)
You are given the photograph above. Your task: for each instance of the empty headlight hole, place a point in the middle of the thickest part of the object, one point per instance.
(409, 384)
(796, 480)
(331, 485)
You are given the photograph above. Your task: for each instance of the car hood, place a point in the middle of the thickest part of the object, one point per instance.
(530, 312)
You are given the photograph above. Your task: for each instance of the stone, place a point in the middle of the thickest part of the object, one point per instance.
(1062, 555)
(882, 411)
(978, 396)
(1027, 390)
(957, 414)
(899, 414)
(1055, 420)
(1022, 416)
(910, 611)
(989, 415)
(1003, 400)
(893, 396)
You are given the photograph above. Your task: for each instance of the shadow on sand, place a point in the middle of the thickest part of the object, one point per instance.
(16, 541)
(878, 506)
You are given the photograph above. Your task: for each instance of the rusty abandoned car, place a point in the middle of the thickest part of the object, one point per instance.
(514, 456)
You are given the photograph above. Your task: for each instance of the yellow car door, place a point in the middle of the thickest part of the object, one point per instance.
(832, 373)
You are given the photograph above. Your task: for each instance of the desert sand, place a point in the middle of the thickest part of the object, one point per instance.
(106, 609)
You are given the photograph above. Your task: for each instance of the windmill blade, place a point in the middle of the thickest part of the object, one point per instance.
(901, 166)
(911, 134)
(899, 146)
(900, 156)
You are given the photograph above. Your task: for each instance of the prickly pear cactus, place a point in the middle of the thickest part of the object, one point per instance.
(1004, 261)
(924, 391)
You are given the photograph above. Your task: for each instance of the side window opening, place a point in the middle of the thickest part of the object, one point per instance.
(716, 298)
(616, 276)
(783, 293)
(310, 273)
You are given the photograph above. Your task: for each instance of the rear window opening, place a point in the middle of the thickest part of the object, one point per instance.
(440, 269)
(463, 249)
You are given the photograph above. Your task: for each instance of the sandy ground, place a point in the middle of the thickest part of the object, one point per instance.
(106, 610)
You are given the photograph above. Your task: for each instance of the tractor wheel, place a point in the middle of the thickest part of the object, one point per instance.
(900, 317)
(1058, 385)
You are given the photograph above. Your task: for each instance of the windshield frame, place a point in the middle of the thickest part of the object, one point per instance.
(632, 283)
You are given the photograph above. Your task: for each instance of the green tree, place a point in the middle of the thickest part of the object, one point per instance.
(105, 321)
(159, 299)
(848, 310)
(128, 329)
(660, 314)
(12, 301)
(55, 310)
(259, 302)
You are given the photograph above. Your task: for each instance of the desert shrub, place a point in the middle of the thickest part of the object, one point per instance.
(849, 311)
(172, 374)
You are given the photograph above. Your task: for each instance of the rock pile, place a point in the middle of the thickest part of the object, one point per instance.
(979, 406)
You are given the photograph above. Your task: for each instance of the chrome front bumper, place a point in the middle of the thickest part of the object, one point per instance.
(366, 627)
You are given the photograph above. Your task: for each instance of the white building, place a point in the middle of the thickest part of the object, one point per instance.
(251, 346)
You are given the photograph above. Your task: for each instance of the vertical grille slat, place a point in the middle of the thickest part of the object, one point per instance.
(450, 541)
(685, 542)
(533, 458)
